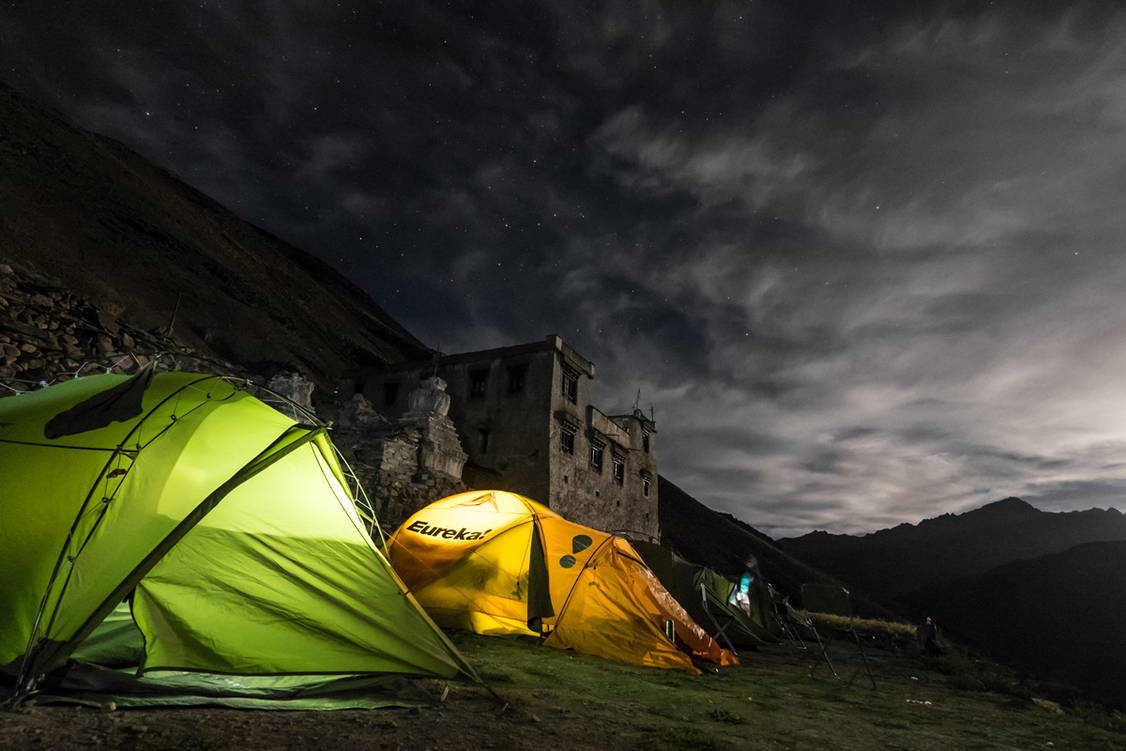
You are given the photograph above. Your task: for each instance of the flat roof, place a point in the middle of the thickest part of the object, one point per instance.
(552, 342)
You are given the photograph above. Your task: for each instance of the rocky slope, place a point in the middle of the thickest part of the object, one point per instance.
(85, 215)
(48, 333)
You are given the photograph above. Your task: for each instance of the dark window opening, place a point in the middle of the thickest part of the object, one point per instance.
(516, 376)
(597, 449)
(645, 440)
(477, 381)
(483, 435)
(619, 470)
(570, 390)
(567, 440)
(646, 482)
(390, 393)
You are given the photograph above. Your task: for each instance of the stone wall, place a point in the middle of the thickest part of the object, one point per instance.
(407, 463)
(401, 487)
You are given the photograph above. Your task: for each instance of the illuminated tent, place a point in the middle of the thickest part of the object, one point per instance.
(738, 613)
(498, 563)
(185, 542)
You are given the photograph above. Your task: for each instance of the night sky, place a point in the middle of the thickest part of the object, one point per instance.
(865, 263)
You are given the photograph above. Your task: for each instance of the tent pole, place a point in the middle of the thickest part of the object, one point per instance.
(824, 653)
(863, 656)
(720, 630)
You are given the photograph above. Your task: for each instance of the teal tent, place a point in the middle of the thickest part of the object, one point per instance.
(169, 538)
(739, 613)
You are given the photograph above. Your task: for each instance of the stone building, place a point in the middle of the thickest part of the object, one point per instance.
(526, 420)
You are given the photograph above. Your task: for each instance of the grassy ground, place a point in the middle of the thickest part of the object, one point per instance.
(563, 700)
(898, 631)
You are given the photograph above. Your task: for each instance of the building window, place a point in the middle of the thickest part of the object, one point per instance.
(597, 449)
(516, 377)
(619, 469)
(570, 389)
(645, 440)
(477, 382)
(483, 435)
(646, 482)
(567, 439)
(390, 393)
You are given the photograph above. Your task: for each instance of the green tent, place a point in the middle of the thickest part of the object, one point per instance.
(169, 538)
(740, 613)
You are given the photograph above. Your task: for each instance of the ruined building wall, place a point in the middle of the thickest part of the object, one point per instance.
(400, 485)
(405, 463)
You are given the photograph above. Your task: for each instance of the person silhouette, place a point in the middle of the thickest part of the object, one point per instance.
(926, 636)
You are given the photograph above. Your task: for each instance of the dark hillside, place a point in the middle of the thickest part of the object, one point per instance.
(895, 561)
(1060, 616)
(105, 223)
(721, 542)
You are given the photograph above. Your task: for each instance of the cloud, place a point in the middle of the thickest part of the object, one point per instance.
(864, 262)
(333, 152)
(715, 168)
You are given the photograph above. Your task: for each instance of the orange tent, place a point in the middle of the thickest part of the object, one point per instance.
(499, 563)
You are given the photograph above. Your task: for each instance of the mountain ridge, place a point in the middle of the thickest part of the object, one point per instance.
(891, 562)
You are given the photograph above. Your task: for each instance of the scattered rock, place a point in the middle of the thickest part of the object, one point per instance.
(107, 321)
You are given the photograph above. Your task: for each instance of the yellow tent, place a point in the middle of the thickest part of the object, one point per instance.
(499, 563)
